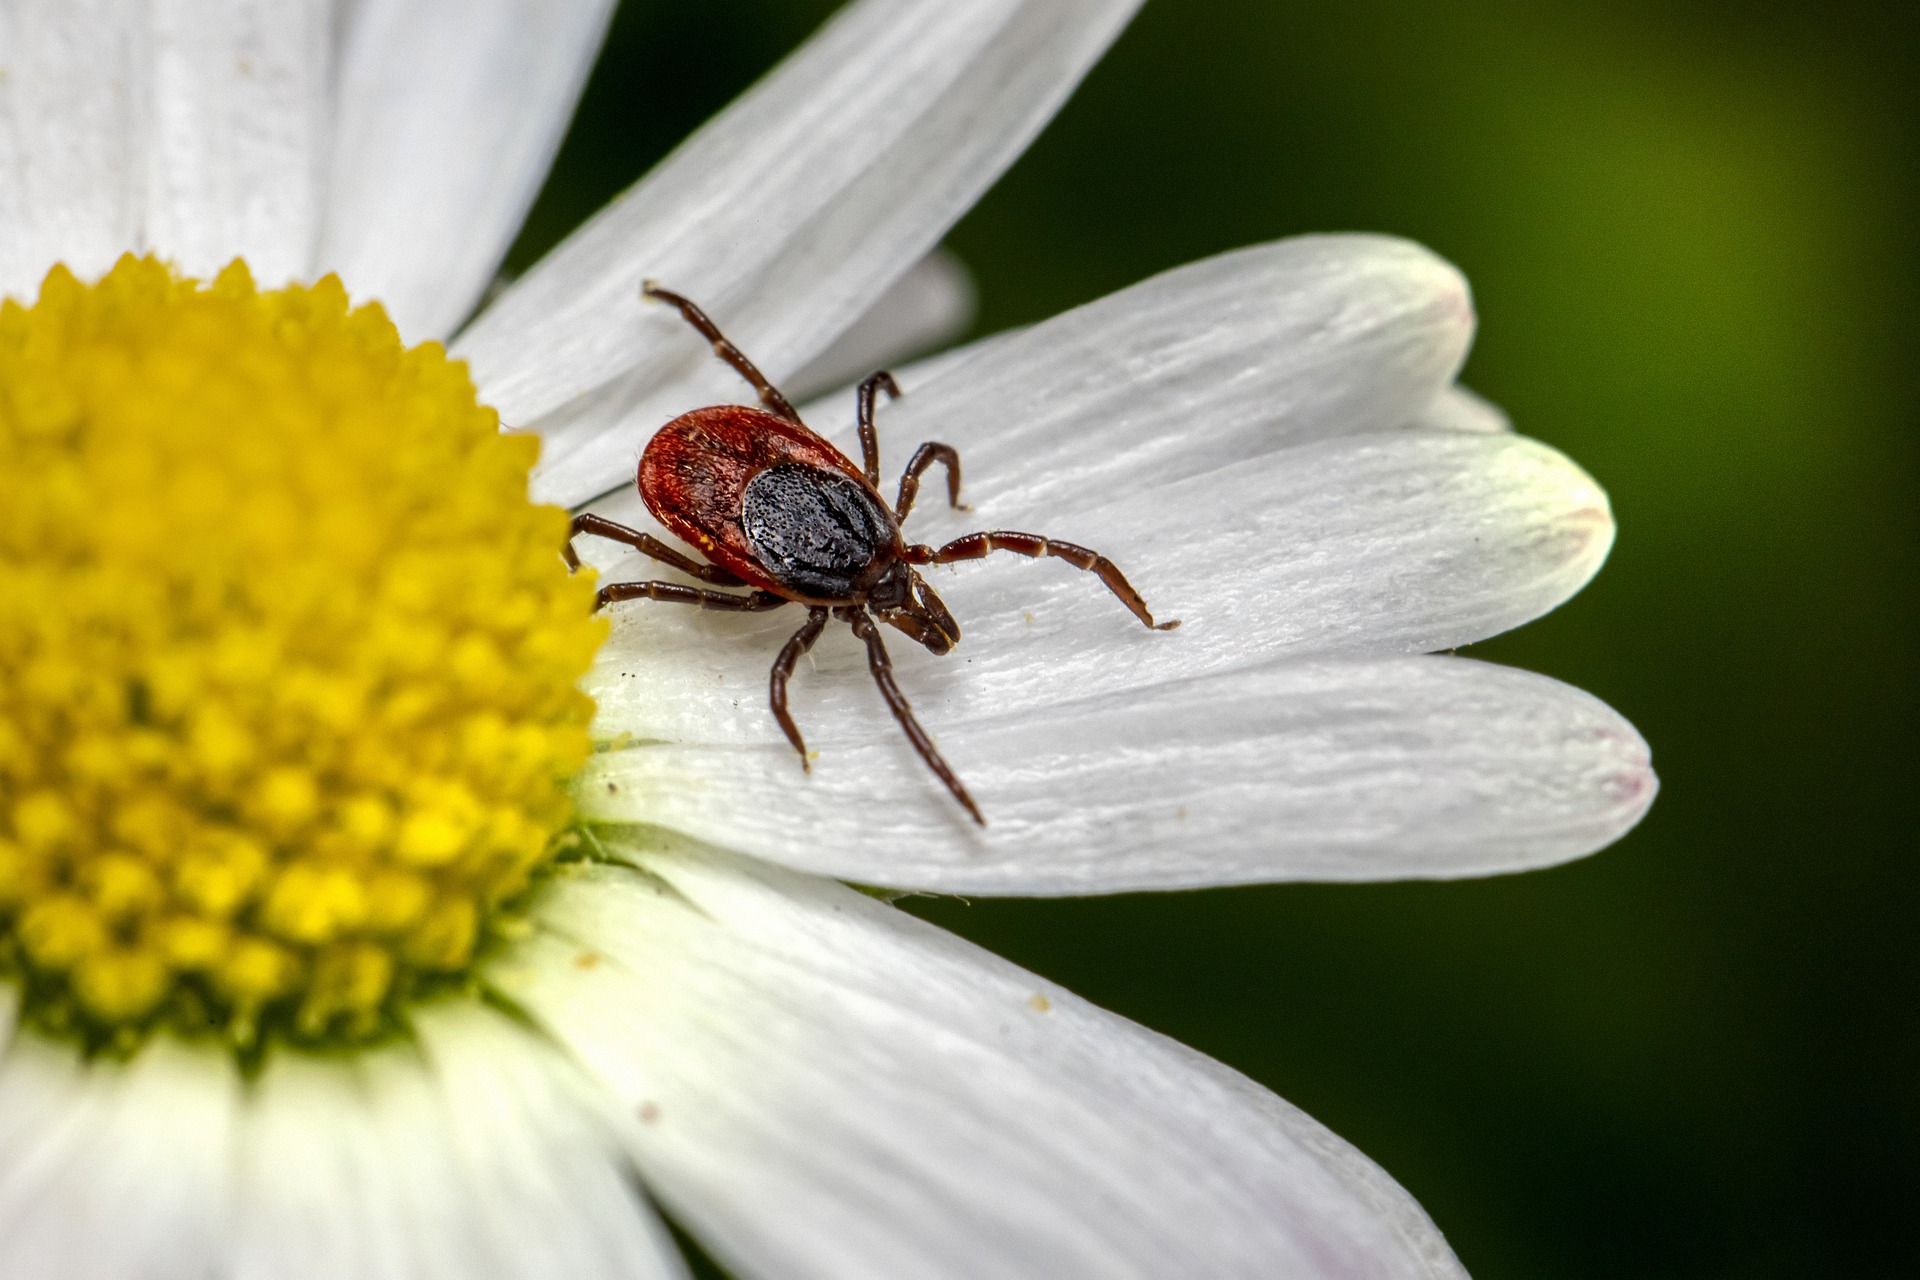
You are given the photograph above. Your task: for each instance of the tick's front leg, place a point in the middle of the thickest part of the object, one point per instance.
(770, 395)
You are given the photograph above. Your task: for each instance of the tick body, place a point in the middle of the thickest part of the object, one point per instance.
(777, 509)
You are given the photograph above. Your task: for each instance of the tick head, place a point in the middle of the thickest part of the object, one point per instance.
(893, 589)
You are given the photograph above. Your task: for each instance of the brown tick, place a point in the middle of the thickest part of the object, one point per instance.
(778, 509)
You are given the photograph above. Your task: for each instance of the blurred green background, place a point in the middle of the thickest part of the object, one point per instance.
(1691, 232)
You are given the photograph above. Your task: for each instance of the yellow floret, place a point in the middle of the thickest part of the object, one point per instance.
(287, 660)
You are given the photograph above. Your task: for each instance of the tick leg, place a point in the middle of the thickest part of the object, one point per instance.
(976, 546)
(801, 641)
(869, 438)
(882, 667)
(923, 457)
(769, 394)
(601, 527)
(674, 593)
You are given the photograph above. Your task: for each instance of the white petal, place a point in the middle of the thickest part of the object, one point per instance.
(111, 1170)
(378, 1166)
(929, 306)
(786, 217)
(1394, 542)
(446, 1228)
(831, 1088)
(41, 1087)
(1394, 769)
(241, 96)
(1205, 365)
(73, 109)
(450, 112)
(316, 1197)
(1459, 409)
(552, 1187)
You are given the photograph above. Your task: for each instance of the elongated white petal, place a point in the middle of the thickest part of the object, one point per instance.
(193, 128)
(1212, 363)
(450, 113)
(113, 1171)
(1206, 365)
(73, 111)
(830, 1088)
(1460, 409)
(786, 217)
(1394, 542)
(930, 305)
(551, 1186)
(1373, 770)
(241, 98)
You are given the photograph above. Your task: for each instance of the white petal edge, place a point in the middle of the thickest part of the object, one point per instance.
(786, 216)
(241, 102)
(115, 1170)
(929, 306)
(1460, 408)
(829, 1087)
(531, 1134)
(450, 113)
(73, 110)
(1408, 768)
(1394, 542)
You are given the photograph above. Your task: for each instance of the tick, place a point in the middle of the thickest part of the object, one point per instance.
(778, 509)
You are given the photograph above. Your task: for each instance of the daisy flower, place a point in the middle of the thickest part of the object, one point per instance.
(367, 909)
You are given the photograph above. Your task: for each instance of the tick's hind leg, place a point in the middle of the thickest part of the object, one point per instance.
(801, 641)
(976, 546)
(674, 593)
(601, 527)
(769, 394)
(882, 667)
(923, 457)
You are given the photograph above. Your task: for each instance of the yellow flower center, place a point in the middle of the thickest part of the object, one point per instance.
(287, 660)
